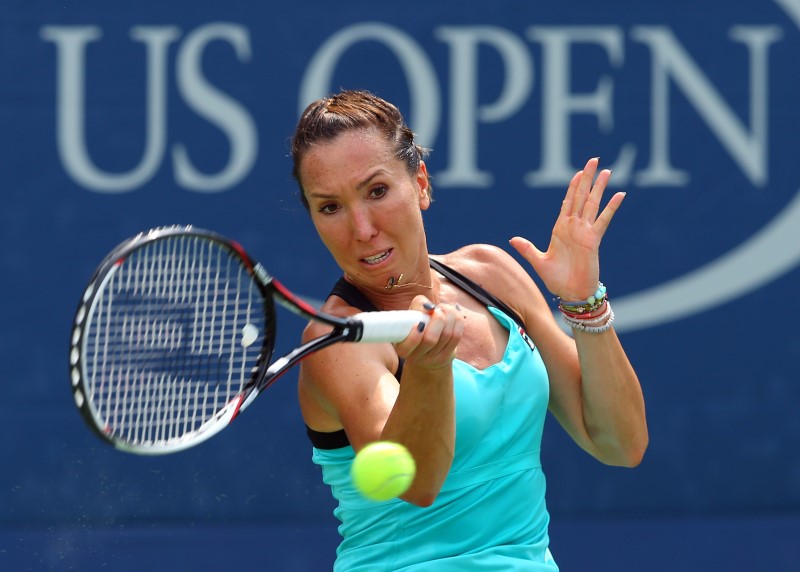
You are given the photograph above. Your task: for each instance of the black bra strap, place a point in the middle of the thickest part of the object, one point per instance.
(352, 295)
(475, 290)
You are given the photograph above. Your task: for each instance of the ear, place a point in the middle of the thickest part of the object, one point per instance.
(423, 186)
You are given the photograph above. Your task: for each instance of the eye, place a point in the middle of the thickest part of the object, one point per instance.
(328, 208)
(378, 192)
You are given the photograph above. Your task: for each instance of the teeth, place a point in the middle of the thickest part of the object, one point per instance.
(376, 258)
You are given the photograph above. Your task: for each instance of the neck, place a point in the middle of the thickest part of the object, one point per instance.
(398, 292)
(398, 282)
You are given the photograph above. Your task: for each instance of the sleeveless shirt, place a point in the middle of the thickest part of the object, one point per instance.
(490, 513)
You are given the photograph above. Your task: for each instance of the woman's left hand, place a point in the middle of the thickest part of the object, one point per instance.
(570, 268)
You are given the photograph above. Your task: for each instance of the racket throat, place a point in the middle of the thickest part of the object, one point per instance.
(244, 402)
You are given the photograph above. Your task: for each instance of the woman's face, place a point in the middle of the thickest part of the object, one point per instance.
(366, 207)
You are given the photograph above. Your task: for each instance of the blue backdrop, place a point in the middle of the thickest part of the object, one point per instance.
(119, 117)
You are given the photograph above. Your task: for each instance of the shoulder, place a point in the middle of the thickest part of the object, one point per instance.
(475, 260)
(333, 306)
(336, 381)
(499, 272)
(491, 267)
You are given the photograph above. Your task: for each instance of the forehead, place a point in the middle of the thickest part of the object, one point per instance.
(351, 154)
(361, 142)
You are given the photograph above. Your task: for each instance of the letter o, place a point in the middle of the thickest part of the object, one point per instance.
(420, 75)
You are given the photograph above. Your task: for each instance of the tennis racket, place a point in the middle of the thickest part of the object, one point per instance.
(174, 335)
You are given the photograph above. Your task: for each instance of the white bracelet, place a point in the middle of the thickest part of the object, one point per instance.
(584, 325)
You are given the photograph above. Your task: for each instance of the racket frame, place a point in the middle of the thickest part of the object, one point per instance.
(263, 374)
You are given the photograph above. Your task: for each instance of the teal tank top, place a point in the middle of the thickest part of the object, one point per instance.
(491, 513)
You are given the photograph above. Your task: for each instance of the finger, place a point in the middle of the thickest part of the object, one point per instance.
(436, 322)
(592, 206)
(526, 249)
(451, 334)
(443, 348)
(569, 199)
(440, 338)
(534, 256)
(602, 222)
(446, 352)
(409, 344)
(584, 186)
(422, 304)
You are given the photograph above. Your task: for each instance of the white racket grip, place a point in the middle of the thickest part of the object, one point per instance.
(389, 326)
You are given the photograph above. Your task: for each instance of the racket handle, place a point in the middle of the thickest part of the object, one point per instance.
(389, 326)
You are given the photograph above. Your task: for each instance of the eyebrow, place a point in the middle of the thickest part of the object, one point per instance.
(359, 186)
(365, 182)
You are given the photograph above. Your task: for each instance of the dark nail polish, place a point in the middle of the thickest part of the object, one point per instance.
(420, 326)
(429, 306)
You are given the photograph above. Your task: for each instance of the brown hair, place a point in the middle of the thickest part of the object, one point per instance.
(327, 118)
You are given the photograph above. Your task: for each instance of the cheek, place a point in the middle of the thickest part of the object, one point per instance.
(329, 232)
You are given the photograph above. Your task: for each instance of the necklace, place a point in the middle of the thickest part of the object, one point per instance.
(395, 283)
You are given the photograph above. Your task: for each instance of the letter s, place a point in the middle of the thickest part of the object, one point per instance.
(218, 108)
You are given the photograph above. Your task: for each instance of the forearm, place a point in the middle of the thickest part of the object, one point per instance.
(612, 400)
(423, 419)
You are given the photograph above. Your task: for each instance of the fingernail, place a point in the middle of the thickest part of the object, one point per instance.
(429, 306)
(420, 326)
(458, 307)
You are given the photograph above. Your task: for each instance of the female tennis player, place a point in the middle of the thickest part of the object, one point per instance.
(468, 393)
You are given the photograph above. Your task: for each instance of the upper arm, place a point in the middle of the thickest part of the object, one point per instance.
(348, 386)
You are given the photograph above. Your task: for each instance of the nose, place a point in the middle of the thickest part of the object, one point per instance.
(362, 224)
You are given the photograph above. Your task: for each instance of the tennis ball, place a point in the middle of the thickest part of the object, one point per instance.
(383, 470)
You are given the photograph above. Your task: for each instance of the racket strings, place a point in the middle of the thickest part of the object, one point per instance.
(164, 353)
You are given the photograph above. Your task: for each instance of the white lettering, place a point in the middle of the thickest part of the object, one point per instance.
(462, 169)
(746, 141)
(71, 136)
(672, 61)
(221, 110)
(559, 102)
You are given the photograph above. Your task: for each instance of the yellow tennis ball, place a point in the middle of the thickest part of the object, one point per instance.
(383, 470)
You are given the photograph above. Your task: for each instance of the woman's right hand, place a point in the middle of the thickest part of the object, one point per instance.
(434, 346)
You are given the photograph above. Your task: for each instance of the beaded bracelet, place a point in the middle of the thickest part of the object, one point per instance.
(584, 325)
(587, 306)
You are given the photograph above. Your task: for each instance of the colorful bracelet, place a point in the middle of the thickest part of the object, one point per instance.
(586, 324)
(585, 315)
(588, 319)
(587, 306)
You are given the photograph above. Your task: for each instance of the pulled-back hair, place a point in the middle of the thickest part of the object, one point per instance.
(351, 110)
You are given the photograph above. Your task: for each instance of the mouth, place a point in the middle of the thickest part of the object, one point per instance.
(376, 258)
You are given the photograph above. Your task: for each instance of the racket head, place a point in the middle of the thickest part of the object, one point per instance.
(169, 338)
